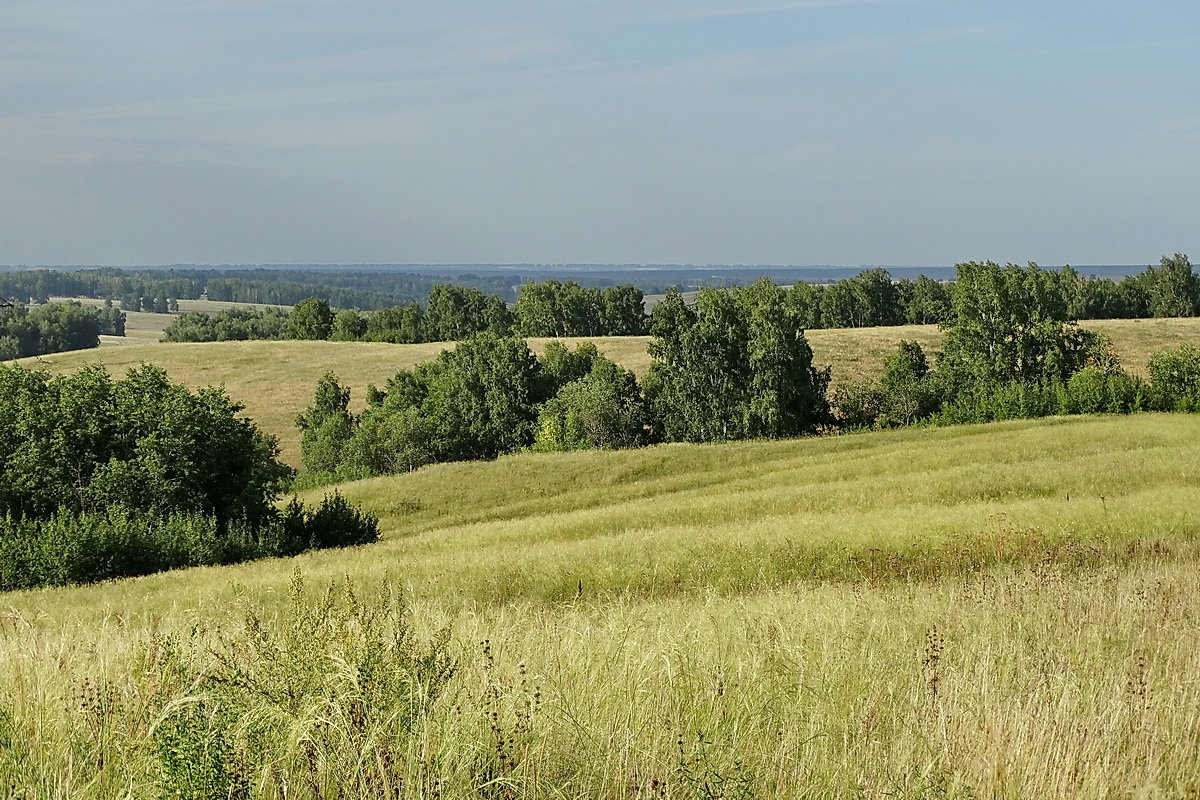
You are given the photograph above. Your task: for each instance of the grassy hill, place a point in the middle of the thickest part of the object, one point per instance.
(275, 380)
(993, 611)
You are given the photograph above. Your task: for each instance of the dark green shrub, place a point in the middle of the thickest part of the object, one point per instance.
(906, 393)
(86, 442)
(1097, 391)
(71, 547)
(334, 523)
(858, 403)
(1012, 400)
(1175, 378)
(603, 409)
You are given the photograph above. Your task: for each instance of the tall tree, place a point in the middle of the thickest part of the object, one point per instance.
(736, 365)
(1172, 288)
(1011, 324)
(326, 426)
(623, 312)
(311, 318)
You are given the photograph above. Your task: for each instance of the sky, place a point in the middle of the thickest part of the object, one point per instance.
(846, 132)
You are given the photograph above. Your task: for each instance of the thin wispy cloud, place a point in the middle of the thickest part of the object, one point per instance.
(727, 10)
(836, 131)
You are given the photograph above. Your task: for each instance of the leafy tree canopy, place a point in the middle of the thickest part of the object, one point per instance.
(84, 442)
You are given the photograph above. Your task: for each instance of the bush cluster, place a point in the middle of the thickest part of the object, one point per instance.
(103, 478)
(54, 328)
(71, 547)
(735, 364)
(1013, 352)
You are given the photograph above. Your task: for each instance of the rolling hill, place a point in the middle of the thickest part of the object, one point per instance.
(1000, 610)
(275, 380)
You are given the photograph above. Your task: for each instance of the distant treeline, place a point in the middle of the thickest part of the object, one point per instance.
(140, 288)
(55, 327)
(873, 297)
(555, 308)
(549, 308)
(735, 364)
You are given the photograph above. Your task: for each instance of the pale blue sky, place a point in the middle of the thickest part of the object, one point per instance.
(828, 132)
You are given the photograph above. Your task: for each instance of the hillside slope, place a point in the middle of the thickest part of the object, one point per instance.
(1007, 610)
(275, 380)
(743, 516)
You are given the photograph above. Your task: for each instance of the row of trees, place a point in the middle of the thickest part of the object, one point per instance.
(1013, 349)
(344, 289)
(451, 313)
(234, 324)
(55, 327)
(150, 304)
(554, 308)
(736, 365)
(101, 478)
(873, 298)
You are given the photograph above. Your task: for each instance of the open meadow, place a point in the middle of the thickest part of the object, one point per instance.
(1009, 610)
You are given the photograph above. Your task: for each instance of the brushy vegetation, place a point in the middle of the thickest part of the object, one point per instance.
(104, 478)
(85, 547)
(998, 611)
(54, 328)
(736, 364)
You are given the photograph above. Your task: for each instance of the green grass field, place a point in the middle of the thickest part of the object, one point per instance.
(1008, 610)
(276, 380)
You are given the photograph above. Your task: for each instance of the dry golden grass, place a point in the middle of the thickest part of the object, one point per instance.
(1001, 611)
(275, 380)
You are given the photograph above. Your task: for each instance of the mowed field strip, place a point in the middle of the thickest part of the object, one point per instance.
(275, 380)
(1007, 610)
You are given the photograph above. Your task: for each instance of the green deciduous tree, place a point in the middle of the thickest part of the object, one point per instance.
(623, 311)
(1175, 378)
(326, 426)
(868, 299)
(602, 409)
(736, 365)
(925, 301)
(551, 308)
(453, 313)
(1172, 288)
(1011, 324)
(398, 324)
(85, 442)
(311, 318)
(348, 326)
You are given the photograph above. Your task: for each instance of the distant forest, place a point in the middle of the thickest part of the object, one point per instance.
(362, 289)
(396, 307)
(556, 308)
